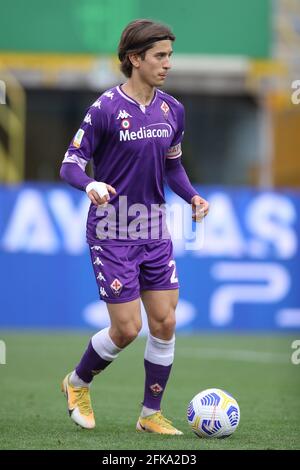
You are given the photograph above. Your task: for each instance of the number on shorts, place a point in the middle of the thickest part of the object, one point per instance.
(173, 279)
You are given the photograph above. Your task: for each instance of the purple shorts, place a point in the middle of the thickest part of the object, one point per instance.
(123, 271)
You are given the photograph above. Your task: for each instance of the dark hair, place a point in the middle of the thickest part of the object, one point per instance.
(138, 37)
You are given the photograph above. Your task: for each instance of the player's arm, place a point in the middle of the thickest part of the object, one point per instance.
(178, 181)
(176, 176)
(97, 191)
(78, 155)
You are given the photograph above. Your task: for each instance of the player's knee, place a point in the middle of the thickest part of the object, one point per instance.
(165, 327)
(127, 334)
(131, 334)
(169, 324)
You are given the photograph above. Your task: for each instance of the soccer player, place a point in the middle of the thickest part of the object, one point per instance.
(133, 135)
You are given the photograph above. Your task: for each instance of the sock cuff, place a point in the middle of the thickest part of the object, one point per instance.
(104, 345)
(159, 351)
(161, 343)
(111, 344)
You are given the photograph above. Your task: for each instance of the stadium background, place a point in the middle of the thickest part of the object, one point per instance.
(234, 68)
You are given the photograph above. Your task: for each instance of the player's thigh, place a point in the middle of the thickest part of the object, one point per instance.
(160, 306)
(125, 315)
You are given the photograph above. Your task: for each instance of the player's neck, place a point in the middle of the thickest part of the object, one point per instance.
(140, 92)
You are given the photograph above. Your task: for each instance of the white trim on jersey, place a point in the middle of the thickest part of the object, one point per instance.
(164, 93)
(132, 101)
(125, 96)
(177, 156)
(81, 162)
(154, 97)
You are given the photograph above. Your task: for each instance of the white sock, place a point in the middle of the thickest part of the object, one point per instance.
(147, 412)
(160, 351)
(76, 381)
(104, 345)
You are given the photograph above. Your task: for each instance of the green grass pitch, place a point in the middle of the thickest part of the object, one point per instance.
(256, 370)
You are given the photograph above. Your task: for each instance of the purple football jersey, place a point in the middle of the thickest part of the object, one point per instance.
(129, 144)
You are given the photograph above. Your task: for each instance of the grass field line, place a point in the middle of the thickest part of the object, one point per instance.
(234, 355)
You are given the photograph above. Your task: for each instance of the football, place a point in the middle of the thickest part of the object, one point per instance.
(213, 413)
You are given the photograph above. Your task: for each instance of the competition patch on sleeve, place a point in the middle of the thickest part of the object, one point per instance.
(78, 138)
(175, 151)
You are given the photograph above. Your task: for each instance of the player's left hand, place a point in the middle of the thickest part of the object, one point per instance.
(200, 208)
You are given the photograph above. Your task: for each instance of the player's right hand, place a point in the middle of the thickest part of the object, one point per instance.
(98, 192)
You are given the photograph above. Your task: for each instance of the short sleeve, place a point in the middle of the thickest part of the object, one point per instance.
(87, 138)
(175, 150)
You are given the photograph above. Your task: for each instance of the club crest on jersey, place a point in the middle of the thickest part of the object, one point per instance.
(123, 114)
(116, 286)
(165, 109)
(125, 124)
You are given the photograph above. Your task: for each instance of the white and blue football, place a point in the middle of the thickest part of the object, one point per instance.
(213, 413)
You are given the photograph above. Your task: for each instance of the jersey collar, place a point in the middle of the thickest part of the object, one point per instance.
(131, 100)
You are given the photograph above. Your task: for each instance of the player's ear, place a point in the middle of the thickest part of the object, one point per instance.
(135, 60)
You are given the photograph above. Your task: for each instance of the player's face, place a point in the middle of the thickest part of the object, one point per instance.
(156, 64)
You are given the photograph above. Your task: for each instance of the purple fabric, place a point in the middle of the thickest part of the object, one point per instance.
(155, 383)
(128, 144)
(178, 180)
(75, 176)
(123, 271)
(90, 364)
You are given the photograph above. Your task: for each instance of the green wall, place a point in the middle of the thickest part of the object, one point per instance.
(94, 26)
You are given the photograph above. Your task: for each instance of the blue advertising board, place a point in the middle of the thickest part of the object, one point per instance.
(239, 269)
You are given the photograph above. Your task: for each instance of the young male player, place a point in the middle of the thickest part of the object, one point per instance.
(133, 135)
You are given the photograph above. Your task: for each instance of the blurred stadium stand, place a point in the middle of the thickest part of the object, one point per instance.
(233, 68)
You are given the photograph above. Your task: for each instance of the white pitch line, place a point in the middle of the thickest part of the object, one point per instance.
(235, 355)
